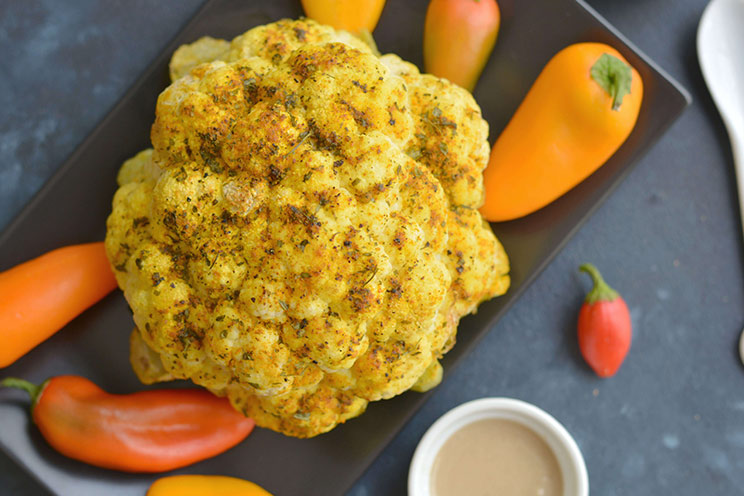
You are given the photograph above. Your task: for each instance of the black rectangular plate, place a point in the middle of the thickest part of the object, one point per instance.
(74, 204)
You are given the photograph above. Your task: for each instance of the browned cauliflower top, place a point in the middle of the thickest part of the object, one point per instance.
(304, 237)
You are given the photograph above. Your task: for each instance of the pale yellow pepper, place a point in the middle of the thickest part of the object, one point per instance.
(355, 16)
(204, 485)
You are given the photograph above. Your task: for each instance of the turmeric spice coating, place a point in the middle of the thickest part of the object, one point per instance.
(303, 237)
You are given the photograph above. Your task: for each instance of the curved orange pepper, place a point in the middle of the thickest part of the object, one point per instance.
(354, 16)
(204, 485)
(39, 297)
(567, 126)
(459, 36)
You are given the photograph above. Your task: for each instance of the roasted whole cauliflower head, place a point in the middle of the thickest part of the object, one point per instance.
(303, 238)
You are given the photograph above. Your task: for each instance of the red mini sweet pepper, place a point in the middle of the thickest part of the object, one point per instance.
(605, 329)
(459, 36)
(147, 431)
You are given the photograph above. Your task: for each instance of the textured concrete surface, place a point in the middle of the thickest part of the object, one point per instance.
(672, 420)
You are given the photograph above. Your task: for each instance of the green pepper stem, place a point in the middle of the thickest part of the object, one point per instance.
(601, 291)
(614, 76)
(32, 389)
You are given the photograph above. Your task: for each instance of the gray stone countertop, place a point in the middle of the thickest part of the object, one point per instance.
(669, 238)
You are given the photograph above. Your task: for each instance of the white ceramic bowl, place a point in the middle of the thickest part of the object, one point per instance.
(573, 468)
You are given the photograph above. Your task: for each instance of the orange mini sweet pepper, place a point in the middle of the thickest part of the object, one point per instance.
(581, 108)
(39, 297)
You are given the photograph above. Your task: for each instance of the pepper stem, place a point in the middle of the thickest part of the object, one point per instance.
(32, 389)
(614, 76)
(601, 291)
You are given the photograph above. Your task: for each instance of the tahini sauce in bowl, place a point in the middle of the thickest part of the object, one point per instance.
(497, 446)
(496, 456)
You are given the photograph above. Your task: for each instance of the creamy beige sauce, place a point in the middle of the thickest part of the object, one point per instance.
(496, 457)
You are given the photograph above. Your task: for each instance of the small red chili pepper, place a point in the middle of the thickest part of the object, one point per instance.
(605, 329)
(148, 431)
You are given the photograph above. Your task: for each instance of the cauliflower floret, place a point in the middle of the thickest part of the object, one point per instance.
(205, 49)
(304, 236)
